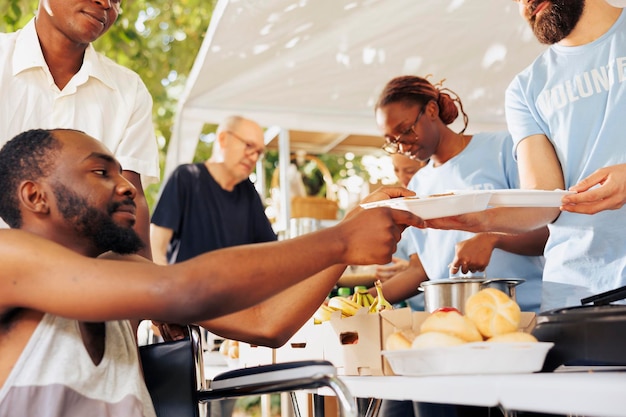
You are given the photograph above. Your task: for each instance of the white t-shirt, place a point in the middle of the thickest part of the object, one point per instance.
(576, 96)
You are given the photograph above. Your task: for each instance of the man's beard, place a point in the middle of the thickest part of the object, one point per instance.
(556, 21)
(89, 222)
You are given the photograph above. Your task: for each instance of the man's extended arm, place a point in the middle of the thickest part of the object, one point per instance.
(41, 275)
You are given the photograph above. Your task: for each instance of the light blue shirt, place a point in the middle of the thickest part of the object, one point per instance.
(576, 96)
(486, 163)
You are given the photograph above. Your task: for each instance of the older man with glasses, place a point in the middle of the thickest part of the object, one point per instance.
(212, 205)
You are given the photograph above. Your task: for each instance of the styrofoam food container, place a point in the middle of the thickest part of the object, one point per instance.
(431, 207)
(470, 358)
(527, 198)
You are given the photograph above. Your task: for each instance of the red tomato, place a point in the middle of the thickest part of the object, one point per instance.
(447, 310)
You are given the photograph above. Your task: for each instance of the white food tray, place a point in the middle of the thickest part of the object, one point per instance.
(527, 198)
(470, 358)
(437, 206)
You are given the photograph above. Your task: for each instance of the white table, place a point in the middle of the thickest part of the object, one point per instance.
(598, 394)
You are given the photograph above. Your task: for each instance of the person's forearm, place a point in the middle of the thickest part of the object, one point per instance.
(205, 287)
(404, 284)
(528, 244)
(273, 321)
(516, 220)
(513, 220)
(159, 257)
(160, 238)
(233, 280)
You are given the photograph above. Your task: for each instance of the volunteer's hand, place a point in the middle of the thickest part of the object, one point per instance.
(605, 189)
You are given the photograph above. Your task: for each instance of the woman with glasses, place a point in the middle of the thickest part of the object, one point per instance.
(414, 116)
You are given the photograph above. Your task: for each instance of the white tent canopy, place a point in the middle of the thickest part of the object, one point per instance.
(311, 70)
(319, 65)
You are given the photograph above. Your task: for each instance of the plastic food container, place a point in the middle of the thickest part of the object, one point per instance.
(430, 207)
(470, 358)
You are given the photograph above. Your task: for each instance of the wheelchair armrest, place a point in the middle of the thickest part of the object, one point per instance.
(276, 378)
(263, 374)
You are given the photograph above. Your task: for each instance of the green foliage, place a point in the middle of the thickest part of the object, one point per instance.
(16, 13)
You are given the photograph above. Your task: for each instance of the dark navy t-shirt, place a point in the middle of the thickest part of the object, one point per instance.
(205, 217)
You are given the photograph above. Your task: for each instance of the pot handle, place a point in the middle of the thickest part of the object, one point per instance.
(469, 275)
(605, 297)
(514, 281)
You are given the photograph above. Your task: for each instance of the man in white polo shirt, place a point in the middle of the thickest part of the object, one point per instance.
(52, 77)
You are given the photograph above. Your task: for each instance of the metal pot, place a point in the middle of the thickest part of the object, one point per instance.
(453, 292)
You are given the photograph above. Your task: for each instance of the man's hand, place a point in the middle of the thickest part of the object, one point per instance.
(471, 222)
(382, 193)
(371, 235)
(605, 189)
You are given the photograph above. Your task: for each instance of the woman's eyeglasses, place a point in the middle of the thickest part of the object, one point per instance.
(393, 143)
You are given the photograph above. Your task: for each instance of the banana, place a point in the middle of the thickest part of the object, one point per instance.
(323, 313)
(372, 307)
(380, 303)
(359, 299)
(346, 305)
(363, 298)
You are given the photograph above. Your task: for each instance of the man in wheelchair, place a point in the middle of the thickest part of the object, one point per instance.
(72, 293)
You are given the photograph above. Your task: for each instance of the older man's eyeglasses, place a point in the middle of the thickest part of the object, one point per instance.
(393, 143)
(250, 148)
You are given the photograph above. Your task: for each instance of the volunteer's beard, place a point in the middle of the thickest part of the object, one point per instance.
(557, 21)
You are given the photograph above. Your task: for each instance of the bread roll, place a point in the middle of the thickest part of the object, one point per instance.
(493, 312)
(452, 323)
(436, 339)
(401, 339)
(513, 337)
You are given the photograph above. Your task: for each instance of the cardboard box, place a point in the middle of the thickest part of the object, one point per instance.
(355, 344)
(305, 344)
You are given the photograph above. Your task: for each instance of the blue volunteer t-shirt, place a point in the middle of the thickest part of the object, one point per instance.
(485, 164)
(576, 96)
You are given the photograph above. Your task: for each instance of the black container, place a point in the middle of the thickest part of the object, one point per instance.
(587, 335)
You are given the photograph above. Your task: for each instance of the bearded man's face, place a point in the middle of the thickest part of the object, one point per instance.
(88, 221)
(553, 20)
